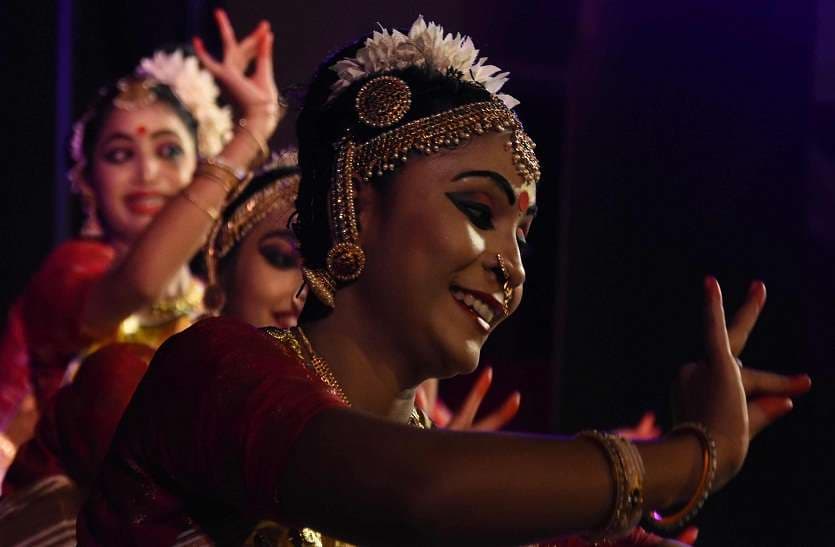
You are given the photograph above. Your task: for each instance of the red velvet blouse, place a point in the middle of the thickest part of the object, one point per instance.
(76, 426)
(205, 437)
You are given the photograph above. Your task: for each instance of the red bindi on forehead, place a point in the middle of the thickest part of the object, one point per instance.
(141, 130)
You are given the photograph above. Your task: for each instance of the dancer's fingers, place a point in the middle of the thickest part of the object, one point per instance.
(746, 317)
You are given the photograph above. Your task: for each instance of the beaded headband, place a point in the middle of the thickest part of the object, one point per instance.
(226, 234)
(135, 93)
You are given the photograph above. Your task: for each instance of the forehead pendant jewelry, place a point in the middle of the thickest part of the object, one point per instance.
(134, 93)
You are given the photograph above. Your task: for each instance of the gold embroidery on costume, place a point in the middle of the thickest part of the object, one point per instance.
(155, 325)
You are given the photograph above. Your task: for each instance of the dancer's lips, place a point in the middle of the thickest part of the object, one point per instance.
(487, 310)
(145, 203)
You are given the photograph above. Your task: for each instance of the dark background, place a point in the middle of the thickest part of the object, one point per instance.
(677, 139)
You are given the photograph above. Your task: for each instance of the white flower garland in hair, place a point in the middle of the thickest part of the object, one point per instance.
(197, 90)
(427, 46)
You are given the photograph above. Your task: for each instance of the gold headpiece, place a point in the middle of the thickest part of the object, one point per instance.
(383, 153)
(383, 101)
(135, 93)
(225, 234)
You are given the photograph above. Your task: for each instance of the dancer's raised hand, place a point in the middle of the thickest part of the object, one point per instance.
(256, 94)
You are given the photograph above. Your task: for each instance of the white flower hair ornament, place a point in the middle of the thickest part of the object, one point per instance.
(425, 46)
(197, 90)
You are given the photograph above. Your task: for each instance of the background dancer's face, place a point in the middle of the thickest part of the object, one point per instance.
(141, 159)
(431, 240)
(263, 276)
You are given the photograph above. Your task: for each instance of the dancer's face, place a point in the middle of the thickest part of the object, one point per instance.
(141, 159)
(263, 279)
(431, 240)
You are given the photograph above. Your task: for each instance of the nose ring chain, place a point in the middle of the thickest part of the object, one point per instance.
(506, 288)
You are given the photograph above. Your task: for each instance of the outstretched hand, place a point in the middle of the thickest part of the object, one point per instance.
(464, 418)
(255, 95)
(494, 421)
(733, 403)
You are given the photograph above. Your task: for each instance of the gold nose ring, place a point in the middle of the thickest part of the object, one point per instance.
(506, 288)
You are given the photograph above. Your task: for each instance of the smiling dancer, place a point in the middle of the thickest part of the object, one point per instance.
(155, 157)
(418, 188)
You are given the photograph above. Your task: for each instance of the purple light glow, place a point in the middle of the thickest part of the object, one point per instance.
(63, 116)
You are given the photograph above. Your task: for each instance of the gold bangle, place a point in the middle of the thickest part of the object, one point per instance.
(634, 473)
(263, 150)
(239, 173)
(692, 507)
(222, 182)
(212, 212)
(628, 475)
(224, 176)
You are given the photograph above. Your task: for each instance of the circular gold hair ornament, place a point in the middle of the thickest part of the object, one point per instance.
(383, 101)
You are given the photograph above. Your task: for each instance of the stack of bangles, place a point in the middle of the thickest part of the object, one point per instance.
(220, 172)
(230, 177)
(628, 473)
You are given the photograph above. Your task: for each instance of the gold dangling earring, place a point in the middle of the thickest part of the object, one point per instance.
(214, 297)
(506, 288)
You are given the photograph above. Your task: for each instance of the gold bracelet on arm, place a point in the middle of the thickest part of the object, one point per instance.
(263, 151)
(220, 172)
(212, 212)
(628, 476)
(692, 507)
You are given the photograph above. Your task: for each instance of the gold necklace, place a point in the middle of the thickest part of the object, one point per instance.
(323, 370)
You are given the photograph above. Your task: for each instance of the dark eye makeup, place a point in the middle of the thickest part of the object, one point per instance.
(276, 254)
(479, 214)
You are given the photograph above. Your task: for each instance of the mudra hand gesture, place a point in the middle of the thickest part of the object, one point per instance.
(426, 397)
(255, 96)
(734, 403)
